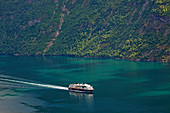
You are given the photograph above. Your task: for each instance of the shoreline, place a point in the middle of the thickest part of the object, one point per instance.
(95, 57)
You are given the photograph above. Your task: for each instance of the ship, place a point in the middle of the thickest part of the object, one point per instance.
(83, 87)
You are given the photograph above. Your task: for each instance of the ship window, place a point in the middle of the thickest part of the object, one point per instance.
(83, 86)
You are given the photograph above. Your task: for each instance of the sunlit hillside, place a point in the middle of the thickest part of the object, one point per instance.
(124, 29)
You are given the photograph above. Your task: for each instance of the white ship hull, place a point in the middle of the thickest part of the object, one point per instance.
(83, 88)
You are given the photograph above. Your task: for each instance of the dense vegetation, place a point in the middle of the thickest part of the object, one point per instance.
(126, 29)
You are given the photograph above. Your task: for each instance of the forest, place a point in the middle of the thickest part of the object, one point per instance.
(122, 29)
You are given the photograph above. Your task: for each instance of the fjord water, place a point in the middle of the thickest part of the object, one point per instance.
(39, 85)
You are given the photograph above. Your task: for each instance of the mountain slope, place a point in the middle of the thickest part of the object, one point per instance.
(126, 29)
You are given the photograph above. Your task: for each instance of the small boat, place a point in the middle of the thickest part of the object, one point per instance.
(86, 88)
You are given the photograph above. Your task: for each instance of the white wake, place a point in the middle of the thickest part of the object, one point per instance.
(35, 84)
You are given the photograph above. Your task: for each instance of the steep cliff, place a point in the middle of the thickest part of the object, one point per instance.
(126, 29)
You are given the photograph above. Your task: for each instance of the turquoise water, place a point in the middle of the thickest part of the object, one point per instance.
(39, 85)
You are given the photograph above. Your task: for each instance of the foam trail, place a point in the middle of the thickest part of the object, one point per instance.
(36, 84)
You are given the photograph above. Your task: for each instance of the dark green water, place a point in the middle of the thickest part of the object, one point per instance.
(120, 86)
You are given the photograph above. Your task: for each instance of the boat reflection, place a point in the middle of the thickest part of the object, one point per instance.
(83, 97)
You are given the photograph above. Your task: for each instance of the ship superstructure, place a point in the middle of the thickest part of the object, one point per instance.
(83, 87)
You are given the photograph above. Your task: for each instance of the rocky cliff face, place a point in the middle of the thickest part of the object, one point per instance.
(124, 29)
